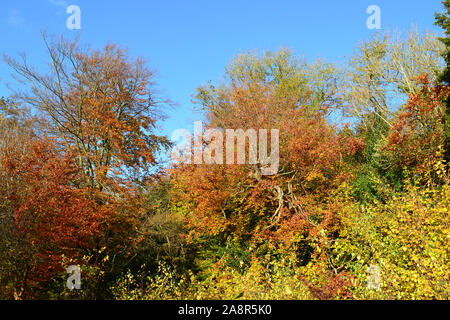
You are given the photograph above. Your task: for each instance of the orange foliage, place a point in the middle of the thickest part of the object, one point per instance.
(53, 216)
(236, 200)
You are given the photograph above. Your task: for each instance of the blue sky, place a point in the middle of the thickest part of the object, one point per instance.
(190, 42)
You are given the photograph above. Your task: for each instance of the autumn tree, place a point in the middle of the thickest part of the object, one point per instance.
(234, 204)
(101, 110)
(52, 217)
(419, 131)
(379, 76)
(375, 86)
(12, 134)
(101, 102)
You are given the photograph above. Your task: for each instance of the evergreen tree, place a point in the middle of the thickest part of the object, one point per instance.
(443, 20)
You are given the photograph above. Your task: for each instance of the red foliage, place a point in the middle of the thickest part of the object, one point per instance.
(419, 129)
(52, 214)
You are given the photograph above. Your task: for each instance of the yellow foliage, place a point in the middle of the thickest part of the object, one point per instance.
(407, 238)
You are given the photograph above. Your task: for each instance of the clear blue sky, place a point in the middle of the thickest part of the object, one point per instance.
(190, 42)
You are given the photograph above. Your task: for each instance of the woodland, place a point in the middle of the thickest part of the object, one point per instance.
(358, 208)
